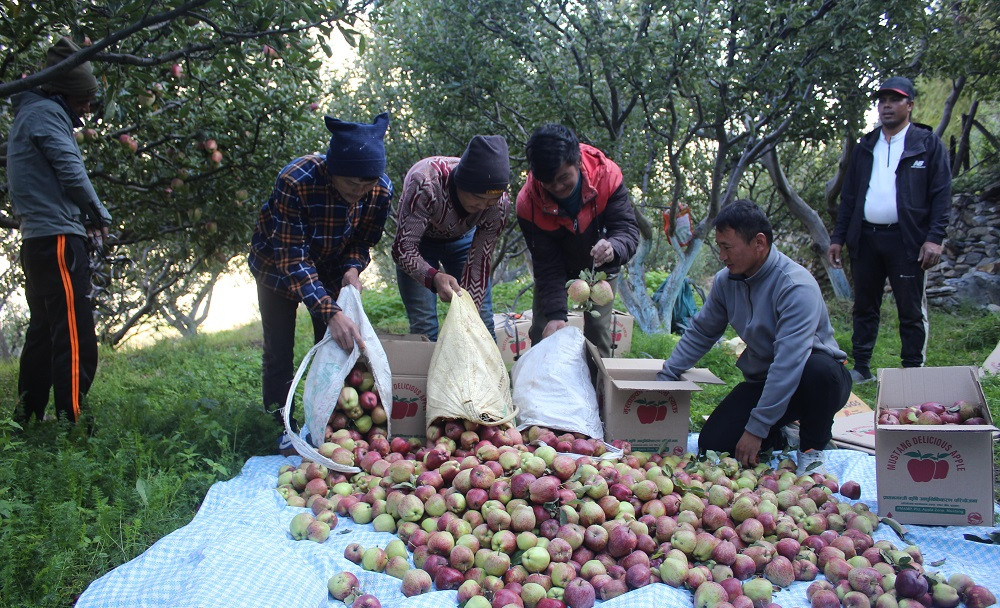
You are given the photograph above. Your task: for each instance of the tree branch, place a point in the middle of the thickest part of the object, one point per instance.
(949, 105)
(88, 53)
(809, 219)
(990, 137)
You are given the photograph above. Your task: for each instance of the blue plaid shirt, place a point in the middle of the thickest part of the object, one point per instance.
(307, 233)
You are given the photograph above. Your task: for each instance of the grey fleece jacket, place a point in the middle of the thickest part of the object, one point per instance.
(48, 182)
(780, 313)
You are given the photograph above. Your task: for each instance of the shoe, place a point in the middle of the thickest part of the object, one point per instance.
(810, 462)
(861, 376)
(285, 447)
(791, 433)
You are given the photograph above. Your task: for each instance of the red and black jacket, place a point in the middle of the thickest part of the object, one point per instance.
(560, 245)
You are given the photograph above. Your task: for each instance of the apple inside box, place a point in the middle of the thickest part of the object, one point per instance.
(409, 358)
(651, 414)
(934, 474)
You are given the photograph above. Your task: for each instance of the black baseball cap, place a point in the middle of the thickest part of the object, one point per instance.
(898, 84)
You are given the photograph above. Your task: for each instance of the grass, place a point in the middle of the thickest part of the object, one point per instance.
(165, 422)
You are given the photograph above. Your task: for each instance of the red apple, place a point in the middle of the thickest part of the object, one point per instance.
(354, 378)
(368, 400)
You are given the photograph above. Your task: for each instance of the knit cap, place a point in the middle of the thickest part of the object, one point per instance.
(357, 149)
(484, 167)
(78, 82)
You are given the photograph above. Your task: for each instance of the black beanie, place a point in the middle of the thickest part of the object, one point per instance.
(484, 167)
(79, 81)
(356, 149)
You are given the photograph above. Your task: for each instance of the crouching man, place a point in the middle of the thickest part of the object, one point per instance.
(792, 366)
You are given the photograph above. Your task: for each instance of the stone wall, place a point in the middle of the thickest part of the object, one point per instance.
(969, 271)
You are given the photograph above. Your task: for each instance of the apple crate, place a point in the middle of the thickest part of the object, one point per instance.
(652, 415)
(933, 474)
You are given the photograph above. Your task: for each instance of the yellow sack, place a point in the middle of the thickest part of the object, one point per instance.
(467, 379)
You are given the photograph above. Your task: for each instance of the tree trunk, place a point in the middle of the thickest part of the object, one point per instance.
(949, 105)
(632, 284)
(962, 154)
(833, 186)
(655, 317)
(187, 322)
(810, 219)
(5, 350)
(632, 289)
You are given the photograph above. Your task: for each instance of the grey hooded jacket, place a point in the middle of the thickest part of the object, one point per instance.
(48, 182)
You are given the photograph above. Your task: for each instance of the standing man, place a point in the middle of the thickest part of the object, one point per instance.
(792, 366)
(312, 237)
(58, 210)
(575, 214)
(893, 213)
(451, 214)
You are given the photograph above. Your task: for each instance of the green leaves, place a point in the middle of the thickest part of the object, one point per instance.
(140, 488)
(170, 89)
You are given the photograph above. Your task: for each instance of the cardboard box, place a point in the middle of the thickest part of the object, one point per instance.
(409, 359)
(992, 363)
(621, 328)
(511, 330)
(622, 324)
(934, 474)
(856, 431)
(853, 406)
(652, 415)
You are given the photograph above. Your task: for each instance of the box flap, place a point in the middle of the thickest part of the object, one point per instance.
(858, 429)
(387, 337)
(843, 445)
(701, 375)
(653, 365)
(899, 388)
(654, 385)
(408, 354)
(647, 368)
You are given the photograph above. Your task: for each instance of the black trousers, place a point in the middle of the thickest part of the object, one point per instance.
(822, 392)
(60, 346)
(880, 256)
(277, 315)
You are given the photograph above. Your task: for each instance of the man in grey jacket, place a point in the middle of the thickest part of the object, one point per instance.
(58, 211)
(792, 366)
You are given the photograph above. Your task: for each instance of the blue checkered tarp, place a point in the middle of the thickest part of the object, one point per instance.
(237, 552)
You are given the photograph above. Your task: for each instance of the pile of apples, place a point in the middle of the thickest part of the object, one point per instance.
(506, 519)
(932, 412)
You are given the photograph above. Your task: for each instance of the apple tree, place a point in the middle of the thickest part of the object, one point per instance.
(200, 104)
(690, 98)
